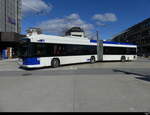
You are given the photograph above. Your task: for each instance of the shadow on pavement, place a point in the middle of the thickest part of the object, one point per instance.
(49, 67)
(141, 76)
(32, 69)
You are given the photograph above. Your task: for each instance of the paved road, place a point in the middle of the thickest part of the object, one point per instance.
(101, 87)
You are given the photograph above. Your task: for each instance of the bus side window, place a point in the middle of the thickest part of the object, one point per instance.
(55, 50)
(59, 50)
(63, 50)
(38, 52)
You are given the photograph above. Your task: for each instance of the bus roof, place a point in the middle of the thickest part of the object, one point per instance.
(71, 40)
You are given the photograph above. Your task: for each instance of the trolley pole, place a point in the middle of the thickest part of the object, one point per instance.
(99, 47)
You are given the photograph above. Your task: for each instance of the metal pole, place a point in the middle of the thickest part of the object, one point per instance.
(97, 35)
(99, 48)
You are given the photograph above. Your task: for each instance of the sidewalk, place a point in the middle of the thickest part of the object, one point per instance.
(9, 60)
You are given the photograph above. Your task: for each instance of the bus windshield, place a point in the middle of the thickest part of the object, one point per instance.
(23, 50)
(24, 47)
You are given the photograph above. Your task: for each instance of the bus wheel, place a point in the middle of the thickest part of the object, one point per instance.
(92, 60)
(55, 63)
(123, 59)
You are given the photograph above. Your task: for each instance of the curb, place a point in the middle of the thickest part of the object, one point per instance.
(9, 60)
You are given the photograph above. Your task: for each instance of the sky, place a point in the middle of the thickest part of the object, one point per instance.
(108, 17)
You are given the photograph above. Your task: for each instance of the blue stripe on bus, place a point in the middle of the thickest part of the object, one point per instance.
(31, 61)
(93, 41)
(109, 42)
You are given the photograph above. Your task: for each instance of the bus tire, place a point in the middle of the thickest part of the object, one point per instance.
(123, 59)
(55, 63)
(92, 60)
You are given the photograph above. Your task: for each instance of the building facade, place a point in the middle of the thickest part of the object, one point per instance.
(138, 34)
(10, 18)
(10, 26)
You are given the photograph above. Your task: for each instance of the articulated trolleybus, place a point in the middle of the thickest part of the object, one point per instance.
(40, 50)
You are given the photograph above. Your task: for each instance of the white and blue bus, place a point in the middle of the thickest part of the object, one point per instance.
(38, 51)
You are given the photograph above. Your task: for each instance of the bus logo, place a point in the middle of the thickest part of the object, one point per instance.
(41, 41)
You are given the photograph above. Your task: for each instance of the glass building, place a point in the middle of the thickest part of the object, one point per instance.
(138, 34)
(10, 18)
(10, 27)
